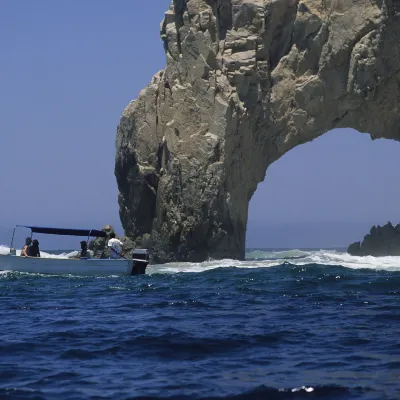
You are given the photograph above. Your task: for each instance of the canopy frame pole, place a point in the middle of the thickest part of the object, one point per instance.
(12, 238)
(88, 238)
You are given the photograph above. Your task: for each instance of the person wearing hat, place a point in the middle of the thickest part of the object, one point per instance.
(108, 229)
(98, 246)
(24, 251)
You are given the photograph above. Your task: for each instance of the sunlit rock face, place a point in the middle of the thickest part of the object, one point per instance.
(245, 82)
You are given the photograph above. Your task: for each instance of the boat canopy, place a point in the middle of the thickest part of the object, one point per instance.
(66, 232)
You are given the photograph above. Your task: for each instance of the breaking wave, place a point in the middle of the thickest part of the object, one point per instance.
(268, 259)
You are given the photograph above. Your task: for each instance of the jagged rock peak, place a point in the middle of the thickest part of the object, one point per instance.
(380, 241)
(245, 82)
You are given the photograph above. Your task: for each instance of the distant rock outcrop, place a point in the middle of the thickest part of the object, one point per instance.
(381, 241)
(245, 82)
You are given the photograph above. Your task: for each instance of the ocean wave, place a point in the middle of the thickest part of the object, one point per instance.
(261, 254)
(321, 257)
(299, 330)
(330, 392)
(327, 392)
(266, 259)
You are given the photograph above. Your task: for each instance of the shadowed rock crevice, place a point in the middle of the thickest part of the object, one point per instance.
(245, 82)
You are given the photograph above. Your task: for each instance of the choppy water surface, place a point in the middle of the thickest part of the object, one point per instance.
(284, 325)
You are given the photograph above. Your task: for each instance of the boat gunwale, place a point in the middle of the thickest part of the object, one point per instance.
(70, 259)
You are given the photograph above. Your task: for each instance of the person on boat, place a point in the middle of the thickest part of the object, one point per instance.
(84, 250)
(33, 250)
(98, 247)
(115, 246)
(24, 251)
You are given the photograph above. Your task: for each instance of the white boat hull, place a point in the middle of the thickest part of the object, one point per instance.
(64, 266)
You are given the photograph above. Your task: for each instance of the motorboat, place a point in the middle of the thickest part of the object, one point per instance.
(136, 265)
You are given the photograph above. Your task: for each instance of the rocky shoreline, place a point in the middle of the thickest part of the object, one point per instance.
(379, 242)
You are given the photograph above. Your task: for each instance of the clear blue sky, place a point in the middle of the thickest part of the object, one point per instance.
(68, 69)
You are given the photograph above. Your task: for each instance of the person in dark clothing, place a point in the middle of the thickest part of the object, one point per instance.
(84, 250)
(33, 251)
(24, 251)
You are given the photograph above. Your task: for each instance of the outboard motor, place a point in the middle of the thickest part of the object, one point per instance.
(141, 259)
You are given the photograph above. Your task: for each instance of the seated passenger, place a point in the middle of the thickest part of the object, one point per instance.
(33, 251)
(115, 246)
(24, 250)
(84, 250)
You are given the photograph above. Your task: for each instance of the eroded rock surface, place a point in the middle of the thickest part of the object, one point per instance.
(245, 82)
(381, 241)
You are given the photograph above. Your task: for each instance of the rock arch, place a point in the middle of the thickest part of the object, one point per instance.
(245, 82)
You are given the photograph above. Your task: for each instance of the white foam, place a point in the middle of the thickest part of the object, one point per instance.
(321, 257)
(4, 250)
(257, 254)
(346, 260)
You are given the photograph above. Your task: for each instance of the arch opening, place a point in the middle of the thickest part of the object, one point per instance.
(326, 193)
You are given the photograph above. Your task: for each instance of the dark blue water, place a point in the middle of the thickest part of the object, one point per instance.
(285, 332)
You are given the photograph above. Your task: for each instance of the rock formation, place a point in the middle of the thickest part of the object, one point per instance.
(381, 241)
(245, 82)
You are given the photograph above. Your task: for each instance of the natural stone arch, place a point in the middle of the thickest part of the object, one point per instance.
(326, 193)
(245, 82)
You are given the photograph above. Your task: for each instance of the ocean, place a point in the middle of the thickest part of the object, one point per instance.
(291, 324)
